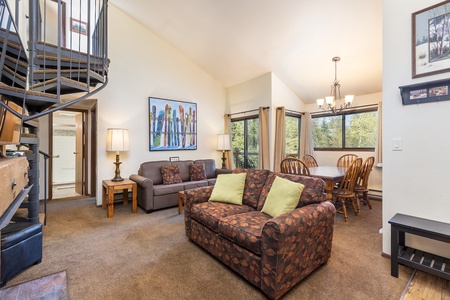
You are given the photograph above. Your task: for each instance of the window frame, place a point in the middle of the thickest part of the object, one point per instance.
(299, 117)
(343, 114)
(245, 154)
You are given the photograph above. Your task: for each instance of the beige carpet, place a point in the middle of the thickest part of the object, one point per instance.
(147, 256)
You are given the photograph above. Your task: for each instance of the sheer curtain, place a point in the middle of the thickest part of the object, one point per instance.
(264, 159)
(228, 154)
(280, 138)
(379, 145)
(306, 141)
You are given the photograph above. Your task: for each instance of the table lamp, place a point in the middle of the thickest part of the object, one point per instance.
(117, 140)
(223, 144)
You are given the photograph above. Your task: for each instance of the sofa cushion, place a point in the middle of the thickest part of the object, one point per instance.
(165, 189)
(183, 166)
(256, 178)
(170, 174)
(229, 188)
(197, 172)
(209, 213)
(194, 184)
(210, 167)
(312, 193)
(244, 229)
(152, 170)
(283, 197)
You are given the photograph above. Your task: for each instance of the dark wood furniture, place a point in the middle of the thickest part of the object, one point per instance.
(110, 186)
(417, 259)
(330, 174)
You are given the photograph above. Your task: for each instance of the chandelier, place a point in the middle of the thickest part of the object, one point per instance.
(335, 95)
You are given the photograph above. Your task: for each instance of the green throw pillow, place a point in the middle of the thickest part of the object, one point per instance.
(229, 188)
(283, 197)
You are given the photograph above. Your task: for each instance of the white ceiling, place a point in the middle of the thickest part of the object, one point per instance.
(237, 40)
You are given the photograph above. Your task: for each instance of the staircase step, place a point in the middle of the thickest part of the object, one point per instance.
(48, 48)
(15, 78)
(68, 86)
(78, 75)
(52, 62)
(13, 47)
(36, 101)
(18, 65)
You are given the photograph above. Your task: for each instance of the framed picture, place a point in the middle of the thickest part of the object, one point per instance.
(172, 124)
(78, 26)
(430, 40)
(424, 92)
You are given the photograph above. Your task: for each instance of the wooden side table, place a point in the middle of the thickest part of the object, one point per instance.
(109, 186)
(180, 202)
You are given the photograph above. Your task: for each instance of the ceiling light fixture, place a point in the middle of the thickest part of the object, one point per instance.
(335, 95)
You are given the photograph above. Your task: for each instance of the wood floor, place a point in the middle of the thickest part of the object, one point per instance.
(425, 286)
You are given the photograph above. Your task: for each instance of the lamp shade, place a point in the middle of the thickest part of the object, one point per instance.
(223, 142)
(117, 140)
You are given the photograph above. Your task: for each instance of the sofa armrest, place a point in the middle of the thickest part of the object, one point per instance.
(299, 241)
(191, 197)
(144, 191)
(223, 171)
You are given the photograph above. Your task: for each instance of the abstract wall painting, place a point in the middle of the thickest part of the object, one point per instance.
(172, 124)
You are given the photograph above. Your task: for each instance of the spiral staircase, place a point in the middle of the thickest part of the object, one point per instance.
(53, 54)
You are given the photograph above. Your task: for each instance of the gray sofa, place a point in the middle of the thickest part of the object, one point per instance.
(153, 194)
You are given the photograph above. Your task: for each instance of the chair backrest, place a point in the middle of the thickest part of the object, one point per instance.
(310, 161)
(346, 160)
(293, 165)
(364, 172)
(347, 185)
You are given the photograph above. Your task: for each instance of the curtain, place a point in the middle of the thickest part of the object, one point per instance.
(306, 141)
(379, 145)
(280, 138)
(264, 159)
(228, 154)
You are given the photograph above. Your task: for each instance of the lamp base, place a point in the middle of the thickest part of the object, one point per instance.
(117, 176)
(224, 159)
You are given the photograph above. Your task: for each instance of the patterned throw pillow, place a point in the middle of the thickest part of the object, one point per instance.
(197, 172)
(170, 174)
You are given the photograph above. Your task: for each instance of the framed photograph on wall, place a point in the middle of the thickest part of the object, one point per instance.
(172, 124)
(430, 40)
(424, 92)
(78, 26)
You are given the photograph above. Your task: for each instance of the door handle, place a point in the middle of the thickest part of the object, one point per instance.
(75, 153)
(55, 156)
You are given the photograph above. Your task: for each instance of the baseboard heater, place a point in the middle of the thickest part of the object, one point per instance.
(375, 194)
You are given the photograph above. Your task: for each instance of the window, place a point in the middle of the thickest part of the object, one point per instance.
(245, 142)
(292, 123)
(349, 131)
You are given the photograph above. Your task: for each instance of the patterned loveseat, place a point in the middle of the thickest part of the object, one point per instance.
(274, 254)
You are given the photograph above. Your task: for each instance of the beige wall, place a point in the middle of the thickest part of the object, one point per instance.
(415, 179)
(142, 65)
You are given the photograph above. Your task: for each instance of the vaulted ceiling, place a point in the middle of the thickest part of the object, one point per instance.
(237, 40)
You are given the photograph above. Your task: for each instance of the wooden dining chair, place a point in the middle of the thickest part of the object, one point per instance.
(293, 165)
(310, 161)
(362, 182)
(346, 160)
(345, 192)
